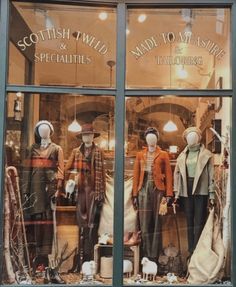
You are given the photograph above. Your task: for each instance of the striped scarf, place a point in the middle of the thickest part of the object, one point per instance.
(97, 169)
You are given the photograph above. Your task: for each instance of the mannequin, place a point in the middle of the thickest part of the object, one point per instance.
(152, 183)
(43, 176)
(88, 161)
(194, 183)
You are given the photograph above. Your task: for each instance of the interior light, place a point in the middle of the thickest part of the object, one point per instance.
(142, 18)
(103, 16)
(220, 15)
(48, 22)
(186, 15)
(182, 73)
(170, 126)
(47, 19)
(127, 31)
(188, 28)
(103, 144)
(74, 127)
(219, 27)
(18, 106)
(112, 144)
(173, 148)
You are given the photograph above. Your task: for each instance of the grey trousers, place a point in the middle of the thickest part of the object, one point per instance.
(195, 208)
(150, 220)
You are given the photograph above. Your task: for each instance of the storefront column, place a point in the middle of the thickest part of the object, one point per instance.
(3, 78)
(119, 149)
(233, 145)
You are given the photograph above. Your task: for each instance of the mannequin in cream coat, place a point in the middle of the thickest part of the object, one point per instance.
(194, 183)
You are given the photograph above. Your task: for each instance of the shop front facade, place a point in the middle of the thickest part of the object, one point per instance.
(118, 142)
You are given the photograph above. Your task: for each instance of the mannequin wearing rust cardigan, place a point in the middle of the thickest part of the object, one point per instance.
(152, 183)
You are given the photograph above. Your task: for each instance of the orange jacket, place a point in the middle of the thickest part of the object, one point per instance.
(162, 173)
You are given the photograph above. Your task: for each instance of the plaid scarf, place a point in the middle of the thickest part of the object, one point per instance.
(97, 169)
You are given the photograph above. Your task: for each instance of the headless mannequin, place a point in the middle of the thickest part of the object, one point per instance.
(149, 192)
(41, 181)
(88, 141)
(88, 160)
(151, 140)
(196, 199)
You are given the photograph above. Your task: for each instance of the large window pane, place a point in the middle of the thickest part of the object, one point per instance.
(176, 190)
(178, 48)
(58, 215)
(63, 45)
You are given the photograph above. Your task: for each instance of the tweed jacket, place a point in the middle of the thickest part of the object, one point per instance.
(204, 177)
(161, 169)
(97, 168)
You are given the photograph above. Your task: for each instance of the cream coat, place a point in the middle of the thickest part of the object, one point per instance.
(204, 178)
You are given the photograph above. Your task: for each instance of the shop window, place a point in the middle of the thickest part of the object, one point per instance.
(178, 48)
(60, 148)
(59, 189)
(63, 45)
(176, 191)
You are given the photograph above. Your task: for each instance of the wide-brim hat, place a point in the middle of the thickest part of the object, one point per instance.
(190, 130)
(87, 129)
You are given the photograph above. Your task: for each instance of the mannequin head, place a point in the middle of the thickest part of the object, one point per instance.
(192, 135)
(192, 139)
(88, 139)
(151, 136)
(151, 139)
(44, 131)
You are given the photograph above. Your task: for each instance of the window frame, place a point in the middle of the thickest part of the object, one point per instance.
(120, 92)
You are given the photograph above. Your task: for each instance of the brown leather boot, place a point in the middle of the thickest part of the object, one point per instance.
(127, 236)
(135, 239)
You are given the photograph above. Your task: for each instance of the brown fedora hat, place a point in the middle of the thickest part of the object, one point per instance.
(87, 129)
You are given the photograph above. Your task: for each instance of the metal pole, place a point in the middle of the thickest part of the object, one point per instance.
(119, 148)
(4, 17)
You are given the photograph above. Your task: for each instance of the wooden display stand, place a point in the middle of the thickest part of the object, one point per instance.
(66, 215)
(100, 250)
(67, 233)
